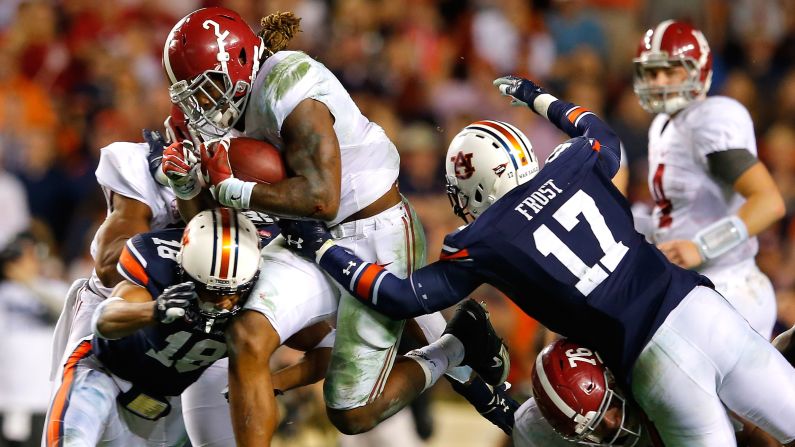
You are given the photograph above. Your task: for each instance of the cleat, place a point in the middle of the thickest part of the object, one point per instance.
(493, 403)
(484, 351)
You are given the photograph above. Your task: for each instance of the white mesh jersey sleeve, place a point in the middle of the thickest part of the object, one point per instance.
(370, 161)
(719, 123)
(123, 169)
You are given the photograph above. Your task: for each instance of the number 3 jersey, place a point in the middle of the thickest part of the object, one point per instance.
(162, 359)
(562, 246)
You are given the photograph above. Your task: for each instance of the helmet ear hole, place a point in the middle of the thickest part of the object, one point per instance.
(478, 195)
(242, 58)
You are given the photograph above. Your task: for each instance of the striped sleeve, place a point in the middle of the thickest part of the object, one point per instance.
(429, 289)
(578, 121)
(132, 265)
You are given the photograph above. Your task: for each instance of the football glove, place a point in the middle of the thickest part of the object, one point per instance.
(523, 92)
(174, 302)
(305, 237)
(181, 167)
(225, 188)
(155, 156)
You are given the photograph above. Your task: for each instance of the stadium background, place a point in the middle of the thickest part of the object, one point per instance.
(76, 75)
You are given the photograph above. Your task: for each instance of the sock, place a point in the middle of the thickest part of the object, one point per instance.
(437, 357)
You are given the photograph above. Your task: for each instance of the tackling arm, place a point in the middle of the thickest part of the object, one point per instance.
(132, 309)
(127, 218)
(427, 290)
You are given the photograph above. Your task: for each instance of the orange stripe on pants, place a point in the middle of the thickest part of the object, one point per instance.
(61, 401)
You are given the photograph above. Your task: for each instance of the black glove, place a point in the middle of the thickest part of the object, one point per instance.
(155, 157)
(304, 236)
(174, 303)
(522, 91)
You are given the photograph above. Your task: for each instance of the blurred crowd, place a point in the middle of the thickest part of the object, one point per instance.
(76, 75)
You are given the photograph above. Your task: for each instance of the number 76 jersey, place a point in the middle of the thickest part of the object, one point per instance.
(564, 248)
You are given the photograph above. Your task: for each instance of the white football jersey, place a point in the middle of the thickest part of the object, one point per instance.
(123, 169)
(370, 162)
(687, 197)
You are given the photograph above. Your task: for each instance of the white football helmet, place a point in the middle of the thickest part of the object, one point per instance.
(220, 253)
(485, 161)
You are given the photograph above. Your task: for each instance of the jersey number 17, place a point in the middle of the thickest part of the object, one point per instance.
(589, 277)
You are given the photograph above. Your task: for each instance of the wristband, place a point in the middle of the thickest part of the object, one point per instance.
(720, 237)
(98, 312)
(323, 249)
(541, 104)
(234, 193)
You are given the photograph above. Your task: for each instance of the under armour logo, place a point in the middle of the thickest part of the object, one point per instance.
(497, 362)
(347, 270)
(296, 242)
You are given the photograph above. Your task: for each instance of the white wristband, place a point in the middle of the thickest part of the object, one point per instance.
(98, 313)
(234, 193)
(542, 102)
(720, 237)
(323, 249)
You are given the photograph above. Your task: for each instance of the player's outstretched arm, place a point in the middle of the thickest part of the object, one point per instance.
(129, 309)
(575, 120)
(429, 289)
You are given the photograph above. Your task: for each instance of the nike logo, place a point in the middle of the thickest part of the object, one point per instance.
(384, 265)
(236, 197)
(497, 362)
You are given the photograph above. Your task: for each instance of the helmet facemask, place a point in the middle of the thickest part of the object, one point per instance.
(591, 429)
(667, 98)
(212, 318)
(211, 102)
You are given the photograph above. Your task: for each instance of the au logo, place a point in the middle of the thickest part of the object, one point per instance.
(462, 163)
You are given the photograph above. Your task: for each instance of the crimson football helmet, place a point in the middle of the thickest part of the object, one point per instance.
(211, 58)
(485, 161)
(574, 391)
(672, 43)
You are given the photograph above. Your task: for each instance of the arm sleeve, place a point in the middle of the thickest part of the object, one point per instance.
(730, 164)
(123, 170)
(429, 289)
(577, 121)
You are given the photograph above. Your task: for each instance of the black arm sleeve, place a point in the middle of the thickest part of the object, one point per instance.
(729, 165)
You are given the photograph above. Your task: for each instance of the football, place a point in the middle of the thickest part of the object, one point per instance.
(255, 160)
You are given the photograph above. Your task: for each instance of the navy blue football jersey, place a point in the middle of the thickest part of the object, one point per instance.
(562, 246)
(162, 359)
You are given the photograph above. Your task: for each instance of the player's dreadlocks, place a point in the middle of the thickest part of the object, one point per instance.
(277, 30)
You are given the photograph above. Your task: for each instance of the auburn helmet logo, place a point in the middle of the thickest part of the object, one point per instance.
(462, 164)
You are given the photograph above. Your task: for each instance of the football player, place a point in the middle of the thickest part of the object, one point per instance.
(343, 170)
(712, 194)
(160, 330)
(574, 392)
(561, 243)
